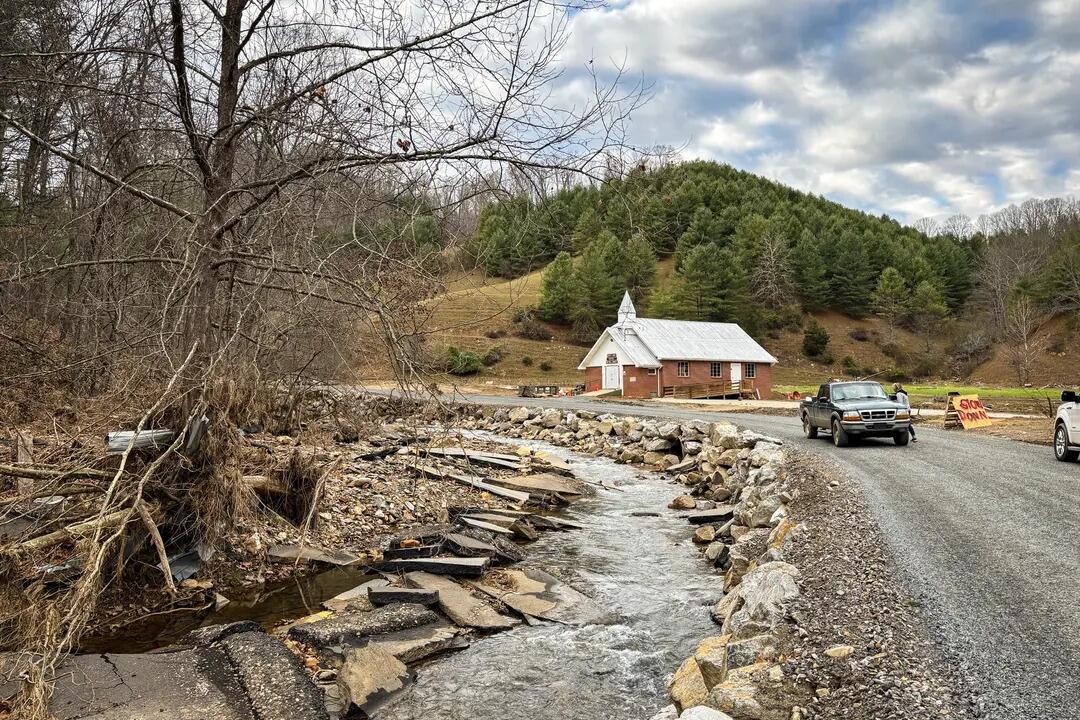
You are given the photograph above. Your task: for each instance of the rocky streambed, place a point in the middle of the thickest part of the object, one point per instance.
(672, 590)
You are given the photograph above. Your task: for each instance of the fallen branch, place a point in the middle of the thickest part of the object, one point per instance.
(42, 473)
(112, 520)
(159, 545)
(64, 491)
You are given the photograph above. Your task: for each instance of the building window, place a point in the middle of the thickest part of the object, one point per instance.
(652, 371)
(612, 359)
(750, 371)
(716, 370)
(683, 369)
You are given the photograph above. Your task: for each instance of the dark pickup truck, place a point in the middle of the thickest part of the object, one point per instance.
(855, 409)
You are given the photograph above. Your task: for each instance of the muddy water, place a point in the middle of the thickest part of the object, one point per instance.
(643, 569)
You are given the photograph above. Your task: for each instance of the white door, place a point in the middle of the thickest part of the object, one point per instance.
(736, 374)
(612, 376)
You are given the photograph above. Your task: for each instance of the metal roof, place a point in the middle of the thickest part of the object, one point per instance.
(689, 340)
(646, 341)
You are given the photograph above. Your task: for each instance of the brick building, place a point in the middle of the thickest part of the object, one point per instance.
(644, 358)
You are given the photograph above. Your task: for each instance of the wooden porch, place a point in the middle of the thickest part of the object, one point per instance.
(718, 390)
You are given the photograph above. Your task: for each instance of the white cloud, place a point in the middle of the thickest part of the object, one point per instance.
(917, 107)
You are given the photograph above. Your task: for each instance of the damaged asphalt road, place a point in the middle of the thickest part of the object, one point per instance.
(986, 536)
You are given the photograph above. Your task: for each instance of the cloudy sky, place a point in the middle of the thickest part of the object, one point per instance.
(916, 108)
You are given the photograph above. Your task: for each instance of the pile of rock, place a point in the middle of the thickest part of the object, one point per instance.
(737, 495)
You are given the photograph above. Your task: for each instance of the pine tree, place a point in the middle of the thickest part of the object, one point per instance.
(665, 303)
(851, 284)
(714, 288)
(927, 308)
(702, 230)
(586, 230)
(558, 293)
(639, 267)
(891, 295)
(808, 269)
(612, 253)
(598, 296)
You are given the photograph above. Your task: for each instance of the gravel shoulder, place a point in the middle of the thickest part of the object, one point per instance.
(852, 596)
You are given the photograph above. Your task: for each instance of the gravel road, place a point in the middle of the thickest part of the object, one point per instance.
(986, 535)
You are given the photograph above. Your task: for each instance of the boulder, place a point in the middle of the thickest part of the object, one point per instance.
(520, 415)
(551, 418)
(653, 458)
(683, 502)
(716, 553)
(687, 687)
(704, 534)
(657, 444)
(605, 427)
(741, 653)
(703, 713)
(724, 435)
(711, 657)
(668, 430)
(761, 513)
(765, 453)
(728, 458)
(668, 713)
(691, 447)
(766, 589)
(738, 694)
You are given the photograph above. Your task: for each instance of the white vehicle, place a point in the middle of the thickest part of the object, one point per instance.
(1067, 428)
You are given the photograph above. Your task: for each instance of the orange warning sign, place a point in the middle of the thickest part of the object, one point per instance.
(970, 411)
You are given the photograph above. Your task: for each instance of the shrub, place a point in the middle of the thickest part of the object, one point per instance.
(826, 359)
(851, 367)
(788, 317)
(527, 361)
(815, 340)
(530, 328)
(545, 365)
(463, 362)
(492, 356)
(860, 335)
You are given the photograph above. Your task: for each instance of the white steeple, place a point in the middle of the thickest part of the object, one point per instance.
(627, 312)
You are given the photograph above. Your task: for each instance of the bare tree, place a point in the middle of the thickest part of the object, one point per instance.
(230, 189)
(1025, 341)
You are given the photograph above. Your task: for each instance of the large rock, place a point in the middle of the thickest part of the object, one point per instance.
(691, 447)
(738, 694)
(761, 513)
(683, 502)
(711, 658)
(551, 418)
(747, 549)
(653, 458)
(766, 453)
(750, 651)
(657, 444)
(668, 430)
(704, 534)
(724, 435)
(687, 687)
(703, 713)
(520, 414)
(668, 713)
(766, 590)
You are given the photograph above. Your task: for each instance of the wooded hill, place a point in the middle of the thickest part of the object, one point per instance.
(746, 249)
(753, 251)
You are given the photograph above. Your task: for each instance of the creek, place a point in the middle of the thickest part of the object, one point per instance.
(642, 568)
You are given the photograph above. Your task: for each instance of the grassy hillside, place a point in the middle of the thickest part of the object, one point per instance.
(475, 307)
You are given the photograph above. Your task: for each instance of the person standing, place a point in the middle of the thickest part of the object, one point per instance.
(903, 399)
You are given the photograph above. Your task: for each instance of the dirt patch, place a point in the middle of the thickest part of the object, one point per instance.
(851, 596)
(1038, 431)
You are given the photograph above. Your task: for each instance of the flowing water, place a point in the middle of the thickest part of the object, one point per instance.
(643, 569)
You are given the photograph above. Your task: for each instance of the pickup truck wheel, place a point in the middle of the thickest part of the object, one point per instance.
(902, 438)
(1061, 445)
(840, 438)
(808, 428)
